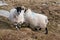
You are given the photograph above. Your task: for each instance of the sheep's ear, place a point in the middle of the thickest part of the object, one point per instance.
(16, 9)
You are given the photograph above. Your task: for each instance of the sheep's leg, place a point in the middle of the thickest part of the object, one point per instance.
(17, 26)
(36, 29)
(39, 28)
(46, 31)
(32, 27)
(23, 24)
(28, 25)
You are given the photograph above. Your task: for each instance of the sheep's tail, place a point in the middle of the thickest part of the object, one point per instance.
(46, 20)
(4, 13)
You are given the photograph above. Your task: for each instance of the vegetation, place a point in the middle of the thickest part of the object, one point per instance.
(51, 9)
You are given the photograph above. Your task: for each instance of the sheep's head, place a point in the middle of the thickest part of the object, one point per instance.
(21, 17)
(19, 9)
(28, 10)
(24, 8)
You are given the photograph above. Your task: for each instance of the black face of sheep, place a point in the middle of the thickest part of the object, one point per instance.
(19, 9)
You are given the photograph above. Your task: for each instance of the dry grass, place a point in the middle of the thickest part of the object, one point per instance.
(52, 10)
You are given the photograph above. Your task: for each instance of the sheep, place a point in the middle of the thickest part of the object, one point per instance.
(35, 20)
(12, 16)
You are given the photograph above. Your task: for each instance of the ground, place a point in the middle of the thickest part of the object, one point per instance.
(51, 9)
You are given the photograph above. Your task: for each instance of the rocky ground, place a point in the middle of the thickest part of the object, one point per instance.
(51, 9)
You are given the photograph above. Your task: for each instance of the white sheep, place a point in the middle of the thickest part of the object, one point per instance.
(36, 21)
(13, 15)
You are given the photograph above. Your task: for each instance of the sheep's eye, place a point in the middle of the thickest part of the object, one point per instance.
(22, 9)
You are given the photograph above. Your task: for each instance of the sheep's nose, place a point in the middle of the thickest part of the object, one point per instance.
(19, 13)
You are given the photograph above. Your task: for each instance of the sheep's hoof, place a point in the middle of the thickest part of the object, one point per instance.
(35, 29)
(46, 31)
(17, 28)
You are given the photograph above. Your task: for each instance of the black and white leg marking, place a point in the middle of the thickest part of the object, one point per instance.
(46, 31)
(17, 26)
(39, 28)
